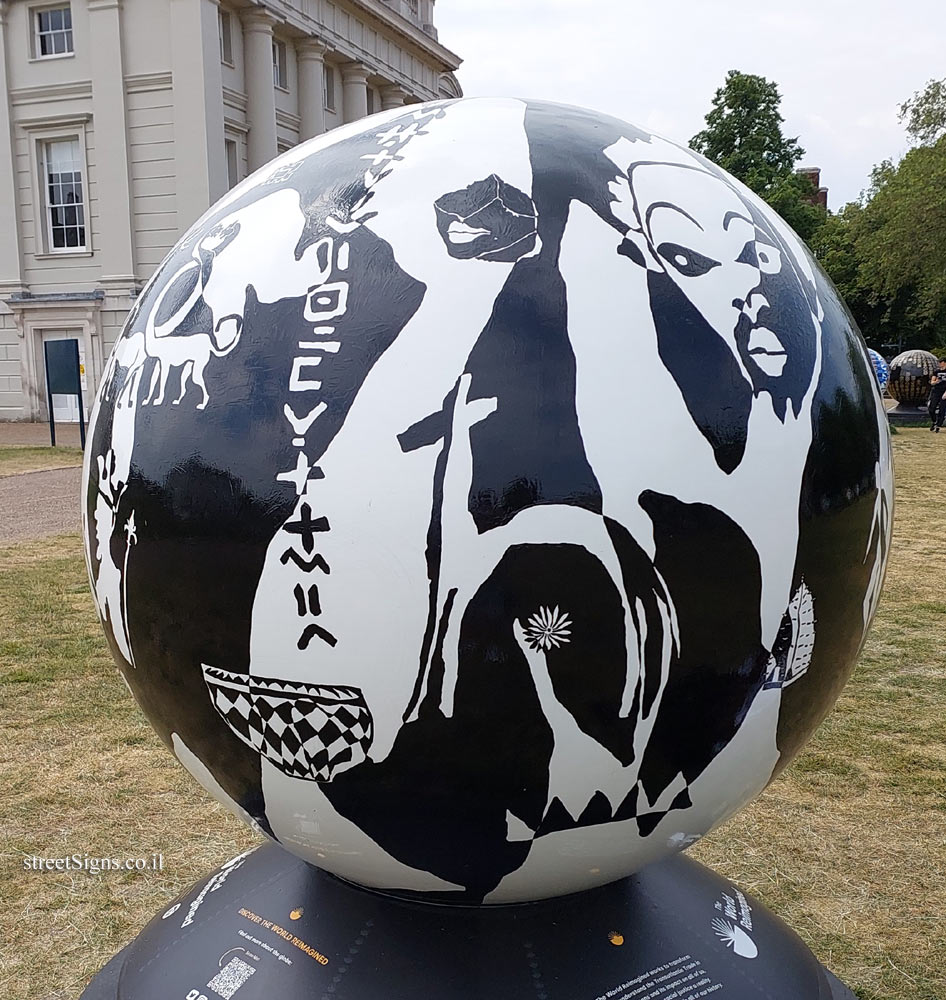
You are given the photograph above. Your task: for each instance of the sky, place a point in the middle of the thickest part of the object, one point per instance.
(843, 67)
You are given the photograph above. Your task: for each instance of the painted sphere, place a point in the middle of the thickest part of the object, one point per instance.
(487, 498)
(910, 374)
(881, 368)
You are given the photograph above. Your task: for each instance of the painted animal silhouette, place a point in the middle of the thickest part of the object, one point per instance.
(188, 353)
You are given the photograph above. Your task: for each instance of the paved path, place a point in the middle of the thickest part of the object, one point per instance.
(16, 432)
(35, 504)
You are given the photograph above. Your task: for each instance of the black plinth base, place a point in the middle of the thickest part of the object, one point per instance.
(271, 927)
(908, 415)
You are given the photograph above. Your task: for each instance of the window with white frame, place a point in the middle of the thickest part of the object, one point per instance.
(63, 195)
(52, 31)
(225, 29)
(280, 74)
(328, 86)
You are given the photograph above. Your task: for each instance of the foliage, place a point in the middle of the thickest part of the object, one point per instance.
(743, 135)
(902, 244)
(924, 115)
(793, 199)
(887, 253)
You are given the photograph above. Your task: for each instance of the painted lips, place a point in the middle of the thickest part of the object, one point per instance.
(766, 351)
(460, 232)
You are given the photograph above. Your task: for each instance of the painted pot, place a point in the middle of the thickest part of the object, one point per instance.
(487, 498)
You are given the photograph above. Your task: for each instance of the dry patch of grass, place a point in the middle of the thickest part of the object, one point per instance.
(81, 772)
(27, 458)
(848, 846)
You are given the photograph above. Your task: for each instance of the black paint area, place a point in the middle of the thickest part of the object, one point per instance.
(489, 220)
(712, 573)
(836, 521)
(716, 393)
(530, 450)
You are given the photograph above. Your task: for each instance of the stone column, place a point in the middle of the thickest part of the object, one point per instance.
(200, 160)
(113, 245)
(392, 97)
(260, 90)
(354, 92)
(310, 56)
(11, 274)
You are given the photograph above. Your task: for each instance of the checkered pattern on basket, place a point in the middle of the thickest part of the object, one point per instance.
(309, 731)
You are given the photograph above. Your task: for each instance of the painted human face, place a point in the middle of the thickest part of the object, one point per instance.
(707, 243)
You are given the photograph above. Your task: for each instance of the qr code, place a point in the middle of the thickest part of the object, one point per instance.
(230, 978)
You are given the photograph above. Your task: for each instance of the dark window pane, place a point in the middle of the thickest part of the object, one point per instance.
(42, 19)
(45, 46)
(56, 216)
(55, 19)
(59, 237)
(81, 236)
(72, 237)
(67, 17)
(70, 216)
(59, 42)
(68, 37)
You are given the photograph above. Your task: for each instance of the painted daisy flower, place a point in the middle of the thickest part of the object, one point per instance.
(548, 628)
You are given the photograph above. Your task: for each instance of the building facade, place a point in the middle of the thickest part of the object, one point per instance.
(122, 121)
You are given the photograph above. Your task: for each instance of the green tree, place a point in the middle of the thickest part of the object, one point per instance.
(901, 243)
(743, 135)
(924, 114)
(793, 197)
(887, 253)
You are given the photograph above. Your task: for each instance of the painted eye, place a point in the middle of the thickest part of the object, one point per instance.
(688, 262)
(770, 260)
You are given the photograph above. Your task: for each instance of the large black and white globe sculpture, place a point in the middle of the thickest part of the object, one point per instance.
(909, 379)
(487, 499)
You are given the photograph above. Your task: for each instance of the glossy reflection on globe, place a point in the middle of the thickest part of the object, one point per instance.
(487, 498)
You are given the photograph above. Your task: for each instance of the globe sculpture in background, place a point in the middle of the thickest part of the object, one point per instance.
(909, 381)
(881, 368)
(459, 495)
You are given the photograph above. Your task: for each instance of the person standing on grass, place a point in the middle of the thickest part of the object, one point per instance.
(937, 403)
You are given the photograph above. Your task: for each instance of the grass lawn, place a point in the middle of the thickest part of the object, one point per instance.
(27, 458)
(848, 846)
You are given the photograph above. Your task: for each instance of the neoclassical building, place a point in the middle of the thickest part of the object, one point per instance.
(123, 120)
